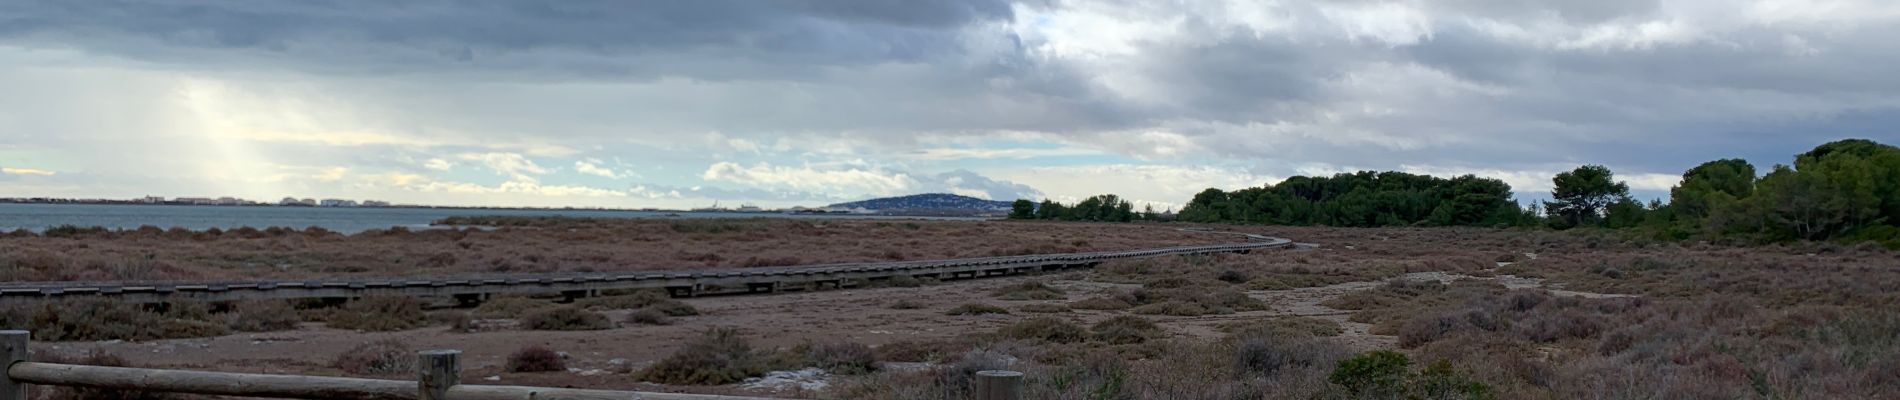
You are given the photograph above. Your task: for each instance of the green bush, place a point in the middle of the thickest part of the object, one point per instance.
(1379, 374)
(1385, 374)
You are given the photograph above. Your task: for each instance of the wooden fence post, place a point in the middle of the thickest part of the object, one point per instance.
(15, 345)
(999, 385)
(438, 371)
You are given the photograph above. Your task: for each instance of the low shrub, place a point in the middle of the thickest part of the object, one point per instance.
(1044, 308)
(1031, 290)
(456, 320)
(535, 359)
(1174, 308)
(507, 307)
(378, 314)
(1045, 329)
(106, 319)
(648, 316)
(718, 357)
(672, 308)
(647, 299)
(1100, 303)
(1125, 330)
(567, 318)
(976, 309)
(1284, 327)
(262, 316)
(382, 357)
(1270, 356)
(906, 304)
(843, 358)
(921, 351)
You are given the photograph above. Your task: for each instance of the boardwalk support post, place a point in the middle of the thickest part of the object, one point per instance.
(998, 385)
(438, 372)
(14, 342)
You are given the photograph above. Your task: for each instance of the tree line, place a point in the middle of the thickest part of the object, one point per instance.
(1847, 190)
(1101, 208)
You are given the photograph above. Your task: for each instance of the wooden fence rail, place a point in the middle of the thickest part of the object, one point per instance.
(438, 378)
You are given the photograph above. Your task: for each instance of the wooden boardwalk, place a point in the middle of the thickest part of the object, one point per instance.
(678, 282)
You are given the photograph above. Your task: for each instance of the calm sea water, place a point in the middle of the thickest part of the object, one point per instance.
(38, 217)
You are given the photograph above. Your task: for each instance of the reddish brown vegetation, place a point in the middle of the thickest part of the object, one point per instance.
(531, 245)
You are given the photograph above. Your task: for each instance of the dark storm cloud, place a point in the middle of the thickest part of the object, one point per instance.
(790, 33)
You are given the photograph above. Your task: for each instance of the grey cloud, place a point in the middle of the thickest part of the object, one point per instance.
(383, 37)
(1584, 12)
(875, 77)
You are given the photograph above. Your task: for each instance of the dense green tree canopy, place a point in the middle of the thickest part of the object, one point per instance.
(1107, 207)
(1362, 199)
(1582, 195)
(1713, 184)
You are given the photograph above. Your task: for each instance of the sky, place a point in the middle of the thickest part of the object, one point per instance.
(778, 103)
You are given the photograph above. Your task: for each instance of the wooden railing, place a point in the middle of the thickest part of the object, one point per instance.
(437, 378)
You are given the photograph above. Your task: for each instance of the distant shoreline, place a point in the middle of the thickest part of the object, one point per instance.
(482, 208)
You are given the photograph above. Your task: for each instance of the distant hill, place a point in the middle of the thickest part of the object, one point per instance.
(930, 204)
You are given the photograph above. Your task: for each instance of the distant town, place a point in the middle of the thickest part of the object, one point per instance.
(208, 201)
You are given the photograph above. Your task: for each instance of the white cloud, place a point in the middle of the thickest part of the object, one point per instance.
(593, 167)
(26, 171)
(419, 183)
(1539, 179)
(1159, 185)
(845, 179)
(515, 166)
(943, 154)
(438, 164)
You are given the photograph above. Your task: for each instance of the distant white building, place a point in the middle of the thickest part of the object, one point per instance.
(375, 203)
(195, 200)
(152, 200)
(230, 201)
